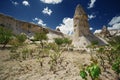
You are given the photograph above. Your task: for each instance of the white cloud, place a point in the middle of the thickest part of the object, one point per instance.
(14, 2)
(47, 11)
(114, 23)
(115, 20)
(115, 26)
(91, 28)
(91, 16)
(91, 4)
(97, 31)
(67, 26)
(39, 21)
(51, 1)
(25, 3)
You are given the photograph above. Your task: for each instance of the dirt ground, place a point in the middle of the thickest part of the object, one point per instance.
(30, 69)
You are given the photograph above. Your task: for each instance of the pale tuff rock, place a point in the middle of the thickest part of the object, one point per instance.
(105, 32)
(81, 25)
(115, 32)
(82, 36)
(57, 29)
(29, 29)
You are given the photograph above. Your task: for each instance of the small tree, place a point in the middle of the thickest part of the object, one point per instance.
(40, 37)
(21, 37)
(59, 41)
(5, 36)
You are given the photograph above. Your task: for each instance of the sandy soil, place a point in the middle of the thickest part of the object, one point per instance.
(30, 69)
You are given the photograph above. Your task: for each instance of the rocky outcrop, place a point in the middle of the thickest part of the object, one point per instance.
(18, 26)
(81, 25)
(115, 32)
(82, 36)
(105, 32)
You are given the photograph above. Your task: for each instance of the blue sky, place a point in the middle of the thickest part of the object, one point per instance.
(59, 13)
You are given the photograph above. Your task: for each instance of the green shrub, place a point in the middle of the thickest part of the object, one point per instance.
(21, 38)
(40, 36)
(93, 70)
(116, 66)
(54, 60)
(67, 41)
(83, 74)
(25, 53)
(5, 36)
(59, 41)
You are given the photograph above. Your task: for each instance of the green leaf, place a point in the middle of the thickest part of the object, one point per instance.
(83, 74)
(94, 70)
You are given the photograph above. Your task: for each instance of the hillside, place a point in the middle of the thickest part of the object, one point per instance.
(38, 66)
(18, 26)
(45, 54)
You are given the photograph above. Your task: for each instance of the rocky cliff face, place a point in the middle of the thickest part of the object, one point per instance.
(18, 27)
(115, 32)
(82, 36)
(105, 32)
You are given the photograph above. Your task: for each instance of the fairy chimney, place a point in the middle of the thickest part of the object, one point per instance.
(82, 36)
(81, 25)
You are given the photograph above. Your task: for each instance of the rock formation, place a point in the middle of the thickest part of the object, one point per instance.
(105, 32)
(81, 25)
(29, 29)
(82, 36)
(115, 32)
(57, 29)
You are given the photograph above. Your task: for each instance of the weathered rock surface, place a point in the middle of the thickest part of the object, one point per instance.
(115, 32)
(105, 32)
(82, 36)
(18, 27)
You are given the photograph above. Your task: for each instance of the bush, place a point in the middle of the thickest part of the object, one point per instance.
(40, 37)
(5, 36)
(54, 59)
(93, 70)
(116, 66)
(67, 41)
(60, 41)
(83, 74)
(52, 46)
(25, 53)
(21, 38)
